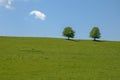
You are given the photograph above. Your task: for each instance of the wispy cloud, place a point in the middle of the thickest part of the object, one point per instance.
(38, 14)
(6, 3)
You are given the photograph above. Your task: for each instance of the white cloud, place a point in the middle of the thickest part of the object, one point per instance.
(6, 3)
(38, 14)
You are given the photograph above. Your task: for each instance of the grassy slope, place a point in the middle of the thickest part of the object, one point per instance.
(57, 59)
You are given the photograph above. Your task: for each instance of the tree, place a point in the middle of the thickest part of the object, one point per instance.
(68, 32)
(95, 33)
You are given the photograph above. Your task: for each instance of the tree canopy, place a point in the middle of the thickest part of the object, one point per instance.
(68, 32)
(95, 33)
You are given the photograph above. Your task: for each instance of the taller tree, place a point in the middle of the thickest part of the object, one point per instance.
(68, 32)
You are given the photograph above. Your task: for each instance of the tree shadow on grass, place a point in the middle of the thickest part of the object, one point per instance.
(98, 41)
(84, 40)
(72, 40)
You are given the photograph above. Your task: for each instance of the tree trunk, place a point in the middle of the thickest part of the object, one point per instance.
(68, 38)
(94, 39)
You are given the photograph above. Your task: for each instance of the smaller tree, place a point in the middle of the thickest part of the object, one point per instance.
(95, 33)
(68, 32)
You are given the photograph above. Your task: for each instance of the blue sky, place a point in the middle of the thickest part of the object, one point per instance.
(47, 18)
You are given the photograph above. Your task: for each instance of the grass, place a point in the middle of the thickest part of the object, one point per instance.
(58, 59)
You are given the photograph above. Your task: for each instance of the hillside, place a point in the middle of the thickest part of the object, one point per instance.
(58, 59)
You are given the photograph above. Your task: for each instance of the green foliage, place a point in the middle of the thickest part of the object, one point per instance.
(68, 32)
(58, 59)
(95, 33)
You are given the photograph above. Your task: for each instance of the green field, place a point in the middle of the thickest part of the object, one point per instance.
(58, 59)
